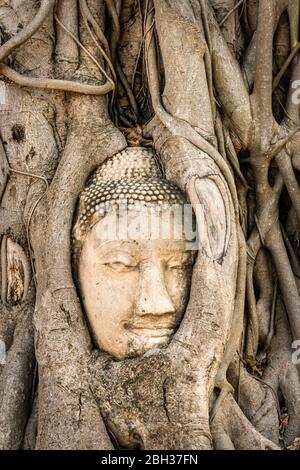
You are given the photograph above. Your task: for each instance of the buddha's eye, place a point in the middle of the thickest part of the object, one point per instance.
(179, 263)
(177, 266)
(120, 262)
(119, 267)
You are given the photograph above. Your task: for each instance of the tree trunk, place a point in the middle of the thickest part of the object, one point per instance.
(79, 82)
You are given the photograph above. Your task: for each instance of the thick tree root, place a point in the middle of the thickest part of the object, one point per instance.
(16, 383)
(231, 426)
(9, 46)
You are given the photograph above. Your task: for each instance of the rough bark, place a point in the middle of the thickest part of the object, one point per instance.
(186, 78)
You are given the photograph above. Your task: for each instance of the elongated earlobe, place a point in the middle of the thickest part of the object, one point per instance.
(210, 200)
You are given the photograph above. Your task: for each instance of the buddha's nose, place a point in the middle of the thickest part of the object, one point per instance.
(153, 297)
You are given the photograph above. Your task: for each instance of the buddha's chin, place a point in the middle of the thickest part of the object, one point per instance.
(144, 340)
(137, 342)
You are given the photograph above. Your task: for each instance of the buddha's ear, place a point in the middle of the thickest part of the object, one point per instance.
(210, 199)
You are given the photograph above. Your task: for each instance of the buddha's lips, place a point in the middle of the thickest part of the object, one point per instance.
(152, 330)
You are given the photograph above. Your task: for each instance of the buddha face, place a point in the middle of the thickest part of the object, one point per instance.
(134, 291)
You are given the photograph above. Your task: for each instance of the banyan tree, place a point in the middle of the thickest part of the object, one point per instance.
(121, 110)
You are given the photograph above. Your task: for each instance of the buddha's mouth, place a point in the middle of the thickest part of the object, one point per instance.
(153, 331)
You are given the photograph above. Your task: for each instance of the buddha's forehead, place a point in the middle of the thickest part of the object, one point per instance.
(165, 223)
(141, 248)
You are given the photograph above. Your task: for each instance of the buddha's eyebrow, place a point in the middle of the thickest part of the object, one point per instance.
(110, 244)
(180, 255)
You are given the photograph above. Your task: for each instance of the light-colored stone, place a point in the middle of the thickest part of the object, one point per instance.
(134, 263)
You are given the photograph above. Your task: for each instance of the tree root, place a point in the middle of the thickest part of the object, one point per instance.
(9, 46)
(237, 320)
(16, 381)
(230, 12)
(231, 426)
(180, 128)
(66, 50)
(53, 84)
(231, 421)
(293, 12)
(89, 19)
(4, 170)
(257, 399)
(116, 28)
(4, 268)
(286, 278)
(283, 375)
(285, 66)
(32, 426)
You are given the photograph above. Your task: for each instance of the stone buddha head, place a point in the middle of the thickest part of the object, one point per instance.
(131, 254)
